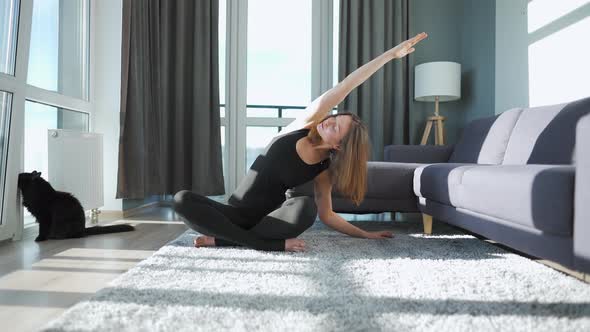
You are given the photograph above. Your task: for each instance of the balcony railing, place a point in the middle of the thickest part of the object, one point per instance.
(278, 115)
(278, 109)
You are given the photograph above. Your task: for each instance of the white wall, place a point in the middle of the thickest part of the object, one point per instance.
(107, 90)
(512, 80)
(442, 20)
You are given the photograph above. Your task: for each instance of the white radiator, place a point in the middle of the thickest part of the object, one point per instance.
(75, 165)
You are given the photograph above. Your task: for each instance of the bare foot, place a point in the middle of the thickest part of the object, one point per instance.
(294, 245)
(204, 241)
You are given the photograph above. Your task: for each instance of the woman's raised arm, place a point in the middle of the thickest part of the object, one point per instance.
(322, 106)
(337, 94)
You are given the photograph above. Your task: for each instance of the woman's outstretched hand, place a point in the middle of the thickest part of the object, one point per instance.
(378, 235)
(406, 47)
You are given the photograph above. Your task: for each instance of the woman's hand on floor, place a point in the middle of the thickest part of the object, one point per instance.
(378, 235)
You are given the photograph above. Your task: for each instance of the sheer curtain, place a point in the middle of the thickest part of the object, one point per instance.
(170, 138)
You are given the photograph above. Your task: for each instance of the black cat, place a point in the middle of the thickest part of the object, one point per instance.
(59, 214)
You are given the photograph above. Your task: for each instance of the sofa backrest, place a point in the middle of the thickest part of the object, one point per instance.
(484, 140)
(535, 135)
(546, 134)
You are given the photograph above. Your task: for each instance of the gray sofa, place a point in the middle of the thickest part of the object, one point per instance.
(520, 178)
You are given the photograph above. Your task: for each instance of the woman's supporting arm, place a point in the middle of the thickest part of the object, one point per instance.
(338, 223)
(323, 200)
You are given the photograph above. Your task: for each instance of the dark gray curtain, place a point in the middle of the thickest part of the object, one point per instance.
(170, 127)
(367, 29)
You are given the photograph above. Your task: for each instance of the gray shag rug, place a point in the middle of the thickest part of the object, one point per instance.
(446, 281)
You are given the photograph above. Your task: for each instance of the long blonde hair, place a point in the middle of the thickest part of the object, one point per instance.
(348, 166)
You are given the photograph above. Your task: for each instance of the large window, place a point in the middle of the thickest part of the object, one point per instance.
(279, 64)
(556, 54)
(270, 70)
(257, 139)
(58, 57)
(544, 12)
(58, 62)
(8, 28)
(279, 52)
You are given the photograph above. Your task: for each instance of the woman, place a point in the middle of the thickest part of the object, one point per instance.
(330, 149)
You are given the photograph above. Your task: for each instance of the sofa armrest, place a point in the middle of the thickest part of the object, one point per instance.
(582, 195)
(424, 154)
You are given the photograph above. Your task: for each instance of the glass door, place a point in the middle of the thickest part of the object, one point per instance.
(279, 68)
(275, 57)
(44, 80)
(9, 13)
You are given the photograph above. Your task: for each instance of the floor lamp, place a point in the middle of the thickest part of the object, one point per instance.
(437, 82)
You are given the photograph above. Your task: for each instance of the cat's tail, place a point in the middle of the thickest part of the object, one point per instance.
(108, 229)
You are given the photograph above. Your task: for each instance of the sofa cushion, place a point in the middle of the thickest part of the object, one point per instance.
(484, 140)
(537, 196)
(530, 125)
(555, 144)
(469, 145)
(439, 182)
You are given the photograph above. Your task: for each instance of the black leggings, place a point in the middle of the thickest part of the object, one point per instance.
(230, 227)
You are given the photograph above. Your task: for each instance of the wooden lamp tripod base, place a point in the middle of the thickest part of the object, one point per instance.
(438, 122)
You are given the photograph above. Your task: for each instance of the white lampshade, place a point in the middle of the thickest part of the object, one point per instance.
(437, 79)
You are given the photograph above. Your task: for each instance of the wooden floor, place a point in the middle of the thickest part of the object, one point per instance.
(39, 281)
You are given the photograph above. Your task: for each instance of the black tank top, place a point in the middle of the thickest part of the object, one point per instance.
(274, 171)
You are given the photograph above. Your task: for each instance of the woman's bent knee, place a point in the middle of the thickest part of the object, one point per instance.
(184, 206)
(307, 211)
(180, 200)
